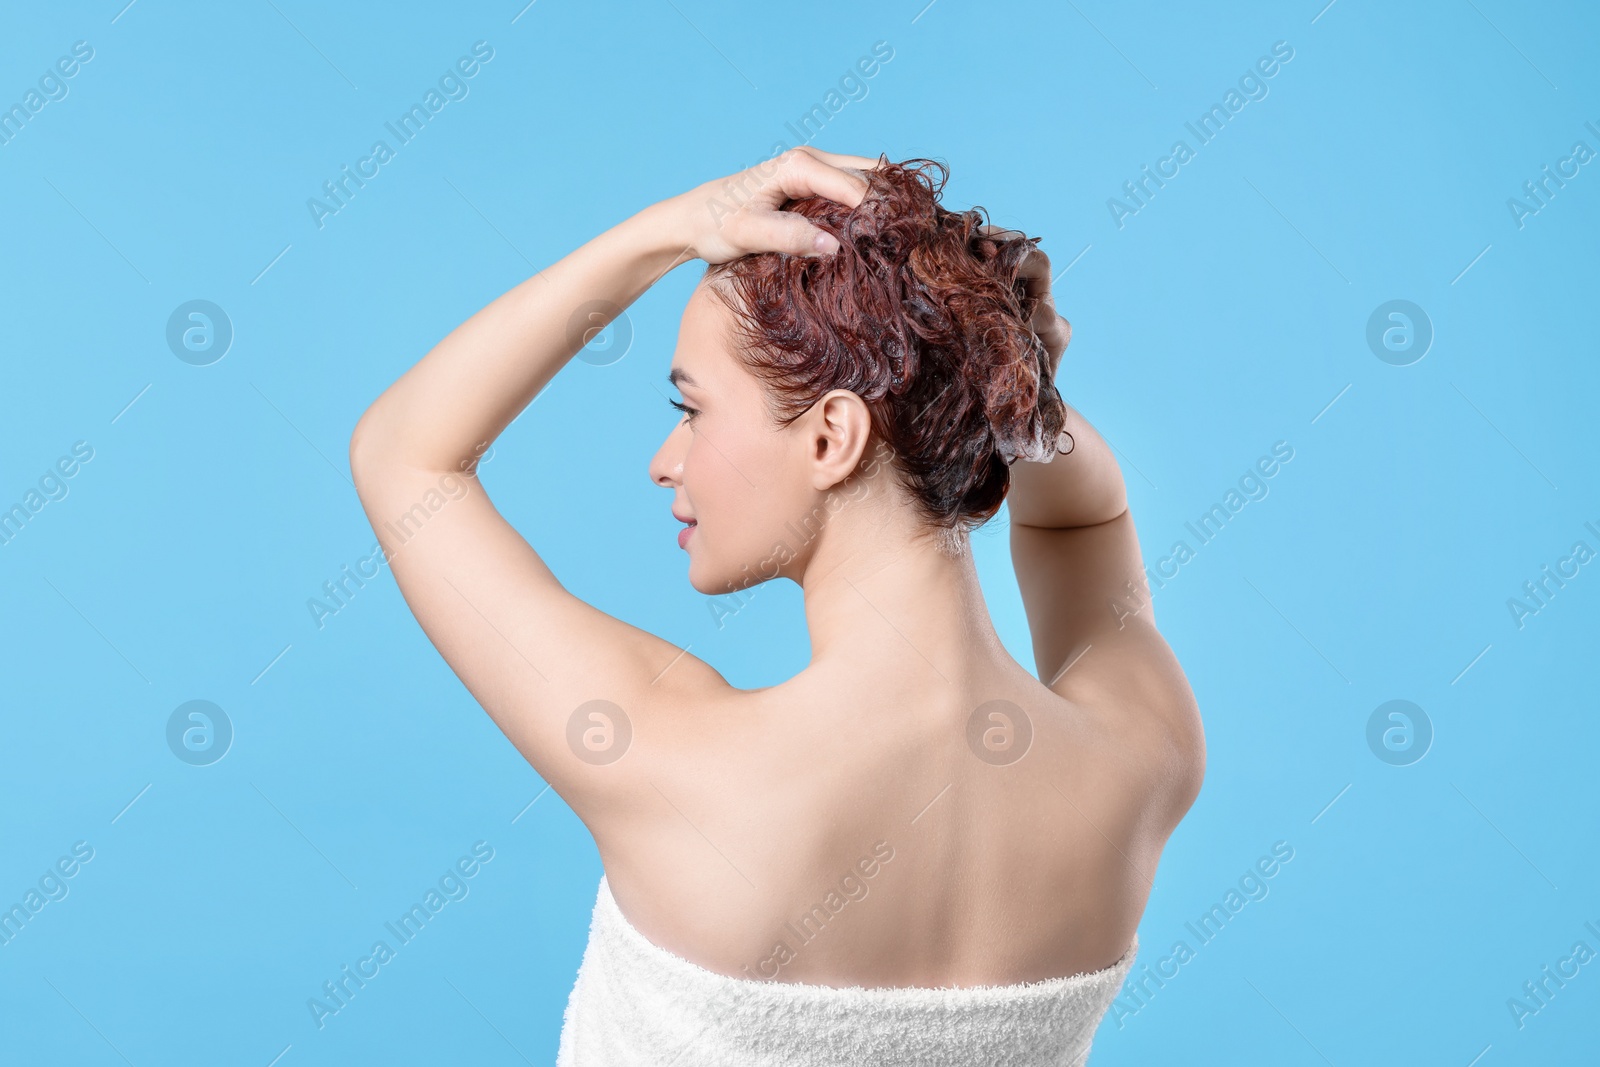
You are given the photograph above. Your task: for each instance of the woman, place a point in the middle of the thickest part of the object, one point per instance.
(913, 851)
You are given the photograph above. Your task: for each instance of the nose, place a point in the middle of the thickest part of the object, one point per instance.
(666, 466)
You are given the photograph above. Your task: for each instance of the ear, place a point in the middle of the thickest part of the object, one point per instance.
(840, 427)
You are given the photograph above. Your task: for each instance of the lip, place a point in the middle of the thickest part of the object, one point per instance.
(683, 534)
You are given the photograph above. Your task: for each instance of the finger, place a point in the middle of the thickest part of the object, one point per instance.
(1035, 266)
(1054, 332)
(785, 231)
(839, 159)
(806, 175)
(1057, 353)
(1035, 272)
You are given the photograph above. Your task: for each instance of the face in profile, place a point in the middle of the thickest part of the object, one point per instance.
(913, 341)
(732, 469)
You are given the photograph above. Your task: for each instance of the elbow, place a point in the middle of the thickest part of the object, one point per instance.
(1191, 752)
(381, 445)
(366, 446)
(1185, 763)
(1116, 502)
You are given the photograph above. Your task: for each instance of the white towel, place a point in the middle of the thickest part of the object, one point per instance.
(635, 1004)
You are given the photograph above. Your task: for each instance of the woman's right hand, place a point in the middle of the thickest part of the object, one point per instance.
(740, 214)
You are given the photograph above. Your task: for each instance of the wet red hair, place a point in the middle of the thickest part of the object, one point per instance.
(921, 315)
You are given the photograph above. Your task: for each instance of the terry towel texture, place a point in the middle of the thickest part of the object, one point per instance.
(636, 1004)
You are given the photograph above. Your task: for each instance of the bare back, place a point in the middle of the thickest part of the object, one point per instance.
(733, 812)
(852, 829)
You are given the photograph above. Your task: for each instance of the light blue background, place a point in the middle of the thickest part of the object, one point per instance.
(1229, 313)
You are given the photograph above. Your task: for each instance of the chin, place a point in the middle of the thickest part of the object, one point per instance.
(701, 580)
(697, 583)
(707, 583)
(710, 579)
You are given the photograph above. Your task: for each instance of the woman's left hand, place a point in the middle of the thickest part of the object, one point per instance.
(1053, 330)
(740, 214)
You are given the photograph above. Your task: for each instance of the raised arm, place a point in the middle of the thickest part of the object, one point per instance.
(1081, 575)
(534, 656)
(476, 380)
(1082, 488)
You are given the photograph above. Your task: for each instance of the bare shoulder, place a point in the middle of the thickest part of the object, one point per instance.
(1096, 643)
(569, 685)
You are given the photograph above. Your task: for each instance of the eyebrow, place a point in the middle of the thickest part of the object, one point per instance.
(678, 375)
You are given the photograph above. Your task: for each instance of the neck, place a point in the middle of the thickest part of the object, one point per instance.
(881, 593)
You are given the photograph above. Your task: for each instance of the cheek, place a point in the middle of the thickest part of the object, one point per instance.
(720, 464)
(737, 481)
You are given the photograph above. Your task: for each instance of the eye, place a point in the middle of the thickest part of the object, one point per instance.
(685, 408)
